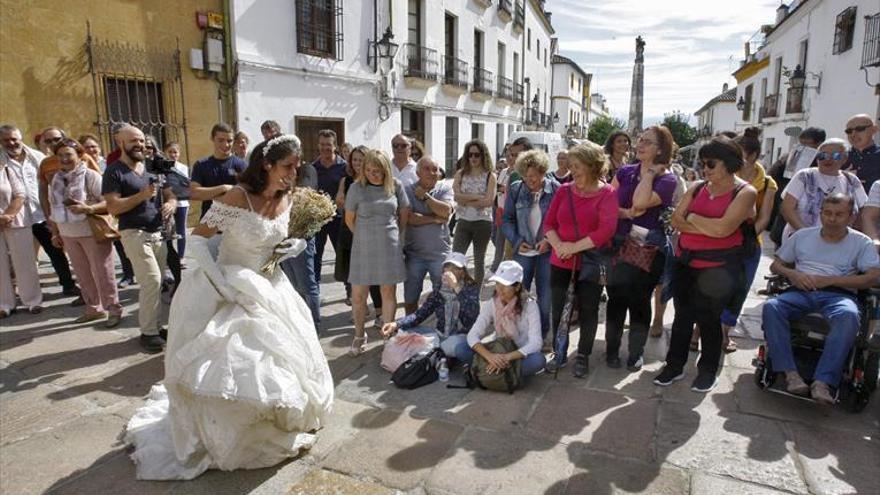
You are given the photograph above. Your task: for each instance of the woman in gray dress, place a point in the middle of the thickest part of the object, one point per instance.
(376, 210)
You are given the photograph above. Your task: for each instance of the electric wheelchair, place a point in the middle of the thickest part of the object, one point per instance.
(808, 335)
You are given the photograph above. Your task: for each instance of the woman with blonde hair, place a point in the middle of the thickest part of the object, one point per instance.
(474, 186)
(376, 211)
(582, 217)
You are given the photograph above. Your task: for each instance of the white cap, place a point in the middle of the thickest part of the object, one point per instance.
(456, 259)
(509, 273)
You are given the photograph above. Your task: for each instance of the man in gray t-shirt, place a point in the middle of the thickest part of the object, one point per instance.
(427, 234)
(825, 265)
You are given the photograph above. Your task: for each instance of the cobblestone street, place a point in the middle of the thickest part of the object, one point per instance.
(67, 391)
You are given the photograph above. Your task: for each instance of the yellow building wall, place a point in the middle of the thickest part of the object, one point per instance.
(44, 73)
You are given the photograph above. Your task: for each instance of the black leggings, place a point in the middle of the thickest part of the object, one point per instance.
(632, 292)
(587, 296)
(700, 296)
(56, 255)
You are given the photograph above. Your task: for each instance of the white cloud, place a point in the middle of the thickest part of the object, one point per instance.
(692, 48)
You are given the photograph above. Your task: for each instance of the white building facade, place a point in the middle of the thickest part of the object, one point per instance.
(835, 45)
(571, 89)
(463, 69)
(717, 115)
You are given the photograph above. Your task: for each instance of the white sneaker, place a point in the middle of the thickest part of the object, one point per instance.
(378, 323)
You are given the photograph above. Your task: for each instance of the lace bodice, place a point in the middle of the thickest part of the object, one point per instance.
(248, 237)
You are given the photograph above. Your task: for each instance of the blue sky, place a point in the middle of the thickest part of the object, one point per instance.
(692, 46)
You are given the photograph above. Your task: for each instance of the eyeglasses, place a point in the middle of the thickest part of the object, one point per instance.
(54, 139)
(399, 146)
(858, 128)
(710, 164)
(647, 141)
(835, 155)
(475, 155)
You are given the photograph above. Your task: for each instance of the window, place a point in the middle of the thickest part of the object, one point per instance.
(319, 28)
(502, 55)
(571, 83)
(137, 102)
(412, 123)
(476, 131)
(844, 29)
(499, 139)
(747, 111)
(871, 48)
(538, 48)
(529, 39)
(545, 57)
(414, 21)
(478, 49)
(451, 144)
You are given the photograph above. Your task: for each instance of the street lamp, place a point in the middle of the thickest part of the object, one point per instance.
(535, 103)
(797, 78)
(384, 48)
(741, 104)
(556, 118)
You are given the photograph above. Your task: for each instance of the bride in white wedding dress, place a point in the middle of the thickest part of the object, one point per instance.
(246, 381)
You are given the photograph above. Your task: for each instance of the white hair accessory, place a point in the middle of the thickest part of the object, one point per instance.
(284, 138)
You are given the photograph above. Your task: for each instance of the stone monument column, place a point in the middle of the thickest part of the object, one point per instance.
(636, 99)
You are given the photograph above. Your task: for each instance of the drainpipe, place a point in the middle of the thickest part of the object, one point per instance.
(229, 89)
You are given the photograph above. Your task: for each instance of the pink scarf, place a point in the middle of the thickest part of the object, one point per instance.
(505, 318)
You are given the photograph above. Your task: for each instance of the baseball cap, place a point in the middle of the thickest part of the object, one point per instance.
(456, 259)
(509, 273)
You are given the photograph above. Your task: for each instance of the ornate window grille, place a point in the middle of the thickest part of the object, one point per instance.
(319, 28)
(844, 29)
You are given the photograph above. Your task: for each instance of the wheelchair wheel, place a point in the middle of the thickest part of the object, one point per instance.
(856, 398)
(872, 366)
(764, 377)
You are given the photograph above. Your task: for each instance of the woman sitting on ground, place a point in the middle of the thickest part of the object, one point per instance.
(456, 304)
(512, 314)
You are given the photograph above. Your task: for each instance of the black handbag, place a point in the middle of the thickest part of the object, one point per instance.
(597, 263)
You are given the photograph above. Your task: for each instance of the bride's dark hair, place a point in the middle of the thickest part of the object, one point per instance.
(255, 177)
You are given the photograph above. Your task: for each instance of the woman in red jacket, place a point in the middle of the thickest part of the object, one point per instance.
(582, 216)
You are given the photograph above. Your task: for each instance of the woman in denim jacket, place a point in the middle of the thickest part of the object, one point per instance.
(522, 224)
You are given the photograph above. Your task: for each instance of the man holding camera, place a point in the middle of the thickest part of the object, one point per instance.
(131, 195)
(213, 176)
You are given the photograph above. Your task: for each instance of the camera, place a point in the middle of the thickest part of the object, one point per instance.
(160, 165)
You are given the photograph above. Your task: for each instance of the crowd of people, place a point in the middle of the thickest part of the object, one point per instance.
(624, 224)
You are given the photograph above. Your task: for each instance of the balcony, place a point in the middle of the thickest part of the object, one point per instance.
(484, 82)
(794, 100)
(518, 94)
(505, 10)
(771, 107)
(422, 65)
(483, 3)
(505, 89)
(455, 74)
(519, 17)
(871, 47)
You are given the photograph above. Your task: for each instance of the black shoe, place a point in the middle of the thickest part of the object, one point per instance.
(704, 382)
(613, 362)
(71, 291)
(581, 366)
(78, 302)
(152, 343)
(163, 332)
(668, 375)
(635, 364)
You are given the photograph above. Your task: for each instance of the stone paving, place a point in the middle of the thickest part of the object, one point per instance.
(67, 391)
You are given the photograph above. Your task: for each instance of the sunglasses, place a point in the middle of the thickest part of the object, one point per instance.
(710, 164)
(398, 146)
(475, 155)
(858, 128)
(54, 139)
(835, 155)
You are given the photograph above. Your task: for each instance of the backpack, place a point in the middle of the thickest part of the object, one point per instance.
(508, 381)
(418, 370)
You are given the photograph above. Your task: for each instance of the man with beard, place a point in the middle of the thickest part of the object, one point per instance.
(131, 195)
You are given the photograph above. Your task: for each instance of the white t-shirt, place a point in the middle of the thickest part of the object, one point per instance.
(813, 255)
(407, 176)
(874, 195)
(809, 204)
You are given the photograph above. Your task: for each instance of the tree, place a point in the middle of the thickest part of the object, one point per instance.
(602, 127)
(682, 132)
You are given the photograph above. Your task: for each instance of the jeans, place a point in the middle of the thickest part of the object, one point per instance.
(180, 228)
(587, 295)
(632, 294)
(731, 314)
(454, 346)
(56, 255)
(300, 270)
(416, 268)
(842, 313)
(537, 268)
(328, 231)
(477, 232)
(699, 296)
(127, 270)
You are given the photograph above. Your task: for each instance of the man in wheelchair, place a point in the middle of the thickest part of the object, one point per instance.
(826, 265)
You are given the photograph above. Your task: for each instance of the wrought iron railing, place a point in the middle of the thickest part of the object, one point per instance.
(455, 72)
(771, 106)
(518, 94)
(483, 81)
(421, 62)
(794, 100)
(519, 15)
(319, 28)
(505, 7)
(505, 88)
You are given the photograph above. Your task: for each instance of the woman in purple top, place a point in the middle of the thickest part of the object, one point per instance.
(644, 190)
